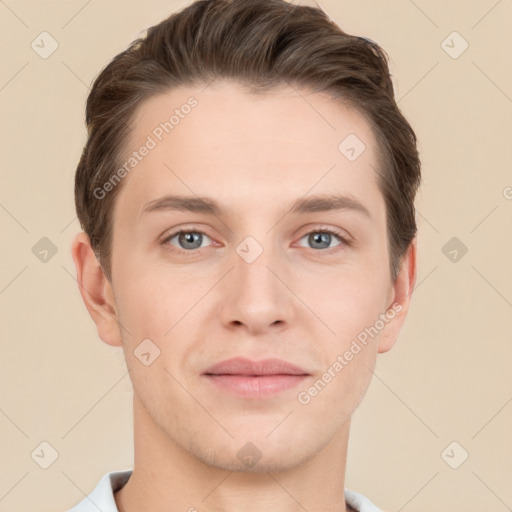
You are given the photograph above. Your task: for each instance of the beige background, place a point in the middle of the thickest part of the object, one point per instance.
(448, 378)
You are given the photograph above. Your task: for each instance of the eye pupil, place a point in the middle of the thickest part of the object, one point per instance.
(190, 238)
(323, 239)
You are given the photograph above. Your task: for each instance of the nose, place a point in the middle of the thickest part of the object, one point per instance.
(256, 297)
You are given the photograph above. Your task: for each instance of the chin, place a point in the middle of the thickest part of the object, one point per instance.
(270, 461)
(253, 451)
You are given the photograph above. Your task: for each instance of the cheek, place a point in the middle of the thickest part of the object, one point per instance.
(346, 302)
(352, 310)
(146, 305)
(165, 306)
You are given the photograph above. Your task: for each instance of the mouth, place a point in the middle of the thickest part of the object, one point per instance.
(255, 379)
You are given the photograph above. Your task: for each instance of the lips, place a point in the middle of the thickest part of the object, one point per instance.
(265, 367)
(255, 379)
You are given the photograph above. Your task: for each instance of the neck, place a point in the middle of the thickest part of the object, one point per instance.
(167, 477)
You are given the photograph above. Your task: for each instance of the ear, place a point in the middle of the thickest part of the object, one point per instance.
(401, 293)
(96, 290)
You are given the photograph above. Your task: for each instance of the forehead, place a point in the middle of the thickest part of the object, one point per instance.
(239, 147)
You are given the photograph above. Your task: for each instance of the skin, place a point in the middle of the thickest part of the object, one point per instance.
(298, 301)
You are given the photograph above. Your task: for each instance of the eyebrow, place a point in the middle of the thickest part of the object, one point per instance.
(206, 205)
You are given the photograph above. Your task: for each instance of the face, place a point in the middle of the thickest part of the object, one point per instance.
(248, 232)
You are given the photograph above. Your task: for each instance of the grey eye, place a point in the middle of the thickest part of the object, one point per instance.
(188, 240)
(320, 239)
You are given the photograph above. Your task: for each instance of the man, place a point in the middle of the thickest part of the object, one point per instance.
(247, 199)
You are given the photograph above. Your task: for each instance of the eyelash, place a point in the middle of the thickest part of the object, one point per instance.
(194, 252)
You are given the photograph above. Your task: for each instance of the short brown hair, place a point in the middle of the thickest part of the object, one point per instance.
(260, 44)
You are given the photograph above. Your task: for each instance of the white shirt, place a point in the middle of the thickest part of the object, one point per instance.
(102, 498)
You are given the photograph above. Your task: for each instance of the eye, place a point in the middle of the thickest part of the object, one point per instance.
(321, 239)
(191, 240)
(187, 240)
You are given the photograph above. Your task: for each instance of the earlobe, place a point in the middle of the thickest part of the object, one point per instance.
(403, 287)
(96, 290)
